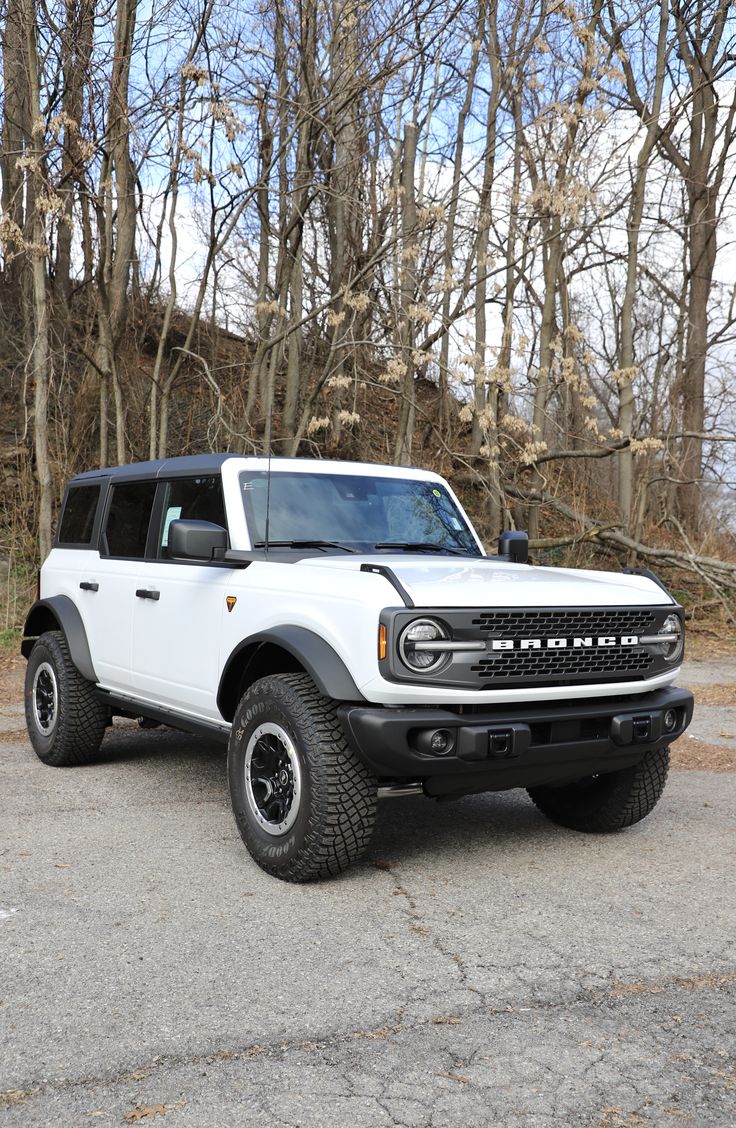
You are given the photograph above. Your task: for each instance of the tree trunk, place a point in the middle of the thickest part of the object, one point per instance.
(40, 357)
(449, 248)
(408, 284)
(627, 354)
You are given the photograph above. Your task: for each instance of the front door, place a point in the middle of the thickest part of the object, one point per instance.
(176, 621)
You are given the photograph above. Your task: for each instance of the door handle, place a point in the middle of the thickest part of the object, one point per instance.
(147, 593)
(88, 585)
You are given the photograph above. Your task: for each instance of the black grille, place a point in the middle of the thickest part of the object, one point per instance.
(563, 623)
(552, 666)
(557, 665)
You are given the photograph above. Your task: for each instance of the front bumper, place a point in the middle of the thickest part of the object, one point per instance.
(518, 746)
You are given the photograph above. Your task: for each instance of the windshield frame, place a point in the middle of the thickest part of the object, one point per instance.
(462, 541)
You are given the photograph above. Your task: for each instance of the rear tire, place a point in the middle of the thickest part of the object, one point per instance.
(605, 803)
(65, 720)
(303, 801)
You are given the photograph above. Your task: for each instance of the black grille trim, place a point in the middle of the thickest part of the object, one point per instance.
(553, 667)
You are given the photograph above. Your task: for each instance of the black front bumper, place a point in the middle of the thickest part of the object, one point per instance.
(515, 746)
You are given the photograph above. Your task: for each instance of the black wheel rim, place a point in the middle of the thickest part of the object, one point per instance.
(273, 779)
(45, 698)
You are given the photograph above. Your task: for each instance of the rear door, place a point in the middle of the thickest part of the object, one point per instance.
(108, 597)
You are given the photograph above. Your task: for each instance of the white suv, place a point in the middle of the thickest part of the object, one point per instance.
(340, 626)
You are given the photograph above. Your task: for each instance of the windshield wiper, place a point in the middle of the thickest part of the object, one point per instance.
(304, 544)
(422, 546)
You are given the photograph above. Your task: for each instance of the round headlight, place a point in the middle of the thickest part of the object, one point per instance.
(421, 657)
(672, 649)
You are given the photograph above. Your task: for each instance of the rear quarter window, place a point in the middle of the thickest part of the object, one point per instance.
(78, 516)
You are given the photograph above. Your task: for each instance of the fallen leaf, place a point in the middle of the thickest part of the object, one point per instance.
(141, 1112)
(13, 1097)
(614, 1117)
(444, 1020)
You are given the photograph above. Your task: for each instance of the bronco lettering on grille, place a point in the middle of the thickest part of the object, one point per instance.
(563, 643)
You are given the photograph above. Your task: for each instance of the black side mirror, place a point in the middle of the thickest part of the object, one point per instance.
(196, 540)
(514, 547)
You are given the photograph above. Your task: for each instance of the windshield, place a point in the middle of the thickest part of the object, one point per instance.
(354, 512)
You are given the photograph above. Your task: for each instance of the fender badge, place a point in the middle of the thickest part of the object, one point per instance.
(231, 600)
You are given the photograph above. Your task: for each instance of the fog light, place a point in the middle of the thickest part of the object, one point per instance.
(433, 742)
(440, 742)
(669, 720)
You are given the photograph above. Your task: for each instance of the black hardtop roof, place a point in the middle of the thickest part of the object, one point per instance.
(188, 466)
(194, 465)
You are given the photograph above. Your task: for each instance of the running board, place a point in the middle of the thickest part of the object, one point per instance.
(132, 707)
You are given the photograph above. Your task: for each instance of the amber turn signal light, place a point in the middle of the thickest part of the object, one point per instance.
(382, 645)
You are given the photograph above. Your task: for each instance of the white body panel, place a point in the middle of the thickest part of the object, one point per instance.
(177, 638)
(107, 613)
(443, 581)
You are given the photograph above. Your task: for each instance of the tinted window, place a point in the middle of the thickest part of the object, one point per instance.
(78, 518)
(198, 499)
(128, 518)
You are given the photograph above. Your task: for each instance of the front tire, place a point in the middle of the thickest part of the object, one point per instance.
(65, 720)
(303, 801)
(605, 803)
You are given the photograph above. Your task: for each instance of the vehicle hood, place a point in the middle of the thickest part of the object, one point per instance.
(442, 581)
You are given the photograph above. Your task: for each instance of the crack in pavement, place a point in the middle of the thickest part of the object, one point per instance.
(280, 1050)
(420, 928)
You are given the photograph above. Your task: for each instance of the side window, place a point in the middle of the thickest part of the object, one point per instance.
(78, 518)
(128, 518)
(199, 499)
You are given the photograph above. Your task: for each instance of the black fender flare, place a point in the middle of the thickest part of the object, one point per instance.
(324, 666)
(65, 613)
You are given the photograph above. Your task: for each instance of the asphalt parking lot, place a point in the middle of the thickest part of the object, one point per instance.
(479, 967)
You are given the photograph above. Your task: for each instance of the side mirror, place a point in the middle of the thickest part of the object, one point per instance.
(196, 540)
(514, 547)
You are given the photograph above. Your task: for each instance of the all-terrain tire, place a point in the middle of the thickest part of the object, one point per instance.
(303, 801)
(66, 722)
(605, 803)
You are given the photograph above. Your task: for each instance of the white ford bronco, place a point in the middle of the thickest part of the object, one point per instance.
(340, 626)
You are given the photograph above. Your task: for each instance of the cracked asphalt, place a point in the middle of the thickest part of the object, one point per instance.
(479, 967)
